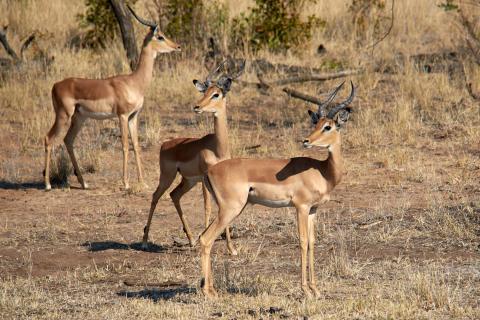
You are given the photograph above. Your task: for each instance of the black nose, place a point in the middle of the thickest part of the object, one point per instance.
(196, 108)
(306, 141)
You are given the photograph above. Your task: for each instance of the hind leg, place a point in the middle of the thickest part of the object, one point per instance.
(226, 213)
(177, 194)
(166, 179)
(76, 126)
(62, 121)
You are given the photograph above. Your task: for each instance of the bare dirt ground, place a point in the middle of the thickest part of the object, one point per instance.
(385, 248)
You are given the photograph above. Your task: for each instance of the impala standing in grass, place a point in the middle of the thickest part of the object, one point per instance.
(191, 157)
(301, 182)
(76, 99)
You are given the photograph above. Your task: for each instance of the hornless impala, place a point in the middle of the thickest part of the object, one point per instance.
(76, 99)
(300, 182)
(191, 157)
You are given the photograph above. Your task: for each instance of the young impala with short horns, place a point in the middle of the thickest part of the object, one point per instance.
(301, 182)
(76, 99)
(191, 157)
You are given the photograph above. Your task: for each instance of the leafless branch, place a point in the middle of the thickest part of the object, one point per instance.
(373, 45)
(6, 45)
(26, 44)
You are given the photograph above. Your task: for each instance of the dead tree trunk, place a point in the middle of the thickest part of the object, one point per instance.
(126, 28)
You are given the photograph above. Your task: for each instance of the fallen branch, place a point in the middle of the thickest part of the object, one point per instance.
(297, 94)
(470, 91)
(315, 77)
(26, 44)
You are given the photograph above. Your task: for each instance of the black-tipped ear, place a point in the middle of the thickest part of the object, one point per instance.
(200, 86)
(342, 116)
(225, 84)
(314, 116)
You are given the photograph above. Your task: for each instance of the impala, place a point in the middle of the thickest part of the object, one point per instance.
(301, 182)
(76, 99)
(191, 157)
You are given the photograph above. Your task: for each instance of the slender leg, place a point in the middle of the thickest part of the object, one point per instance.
(302, 220)
(62, 121)
(207, 201)
(124, 131)
(133, 128)
(46, 171)
(77, 122)
(207, 198)
(311, 248)
(230, 246)
(177, 194)
(166, 179)
(225, 216)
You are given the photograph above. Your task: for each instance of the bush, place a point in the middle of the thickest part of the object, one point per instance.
(275, 25)
(192, 22)
(100, 22)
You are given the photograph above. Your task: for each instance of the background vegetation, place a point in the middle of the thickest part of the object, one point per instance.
(399, 240)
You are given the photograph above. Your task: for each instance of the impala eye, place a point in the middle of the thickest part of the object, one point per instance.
(161, 38)
(327, 128)
(215, 96)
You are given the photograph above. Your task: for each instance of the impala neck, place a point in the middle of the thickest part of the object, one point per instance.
(221, 131)
(334, 162)
(143, 73)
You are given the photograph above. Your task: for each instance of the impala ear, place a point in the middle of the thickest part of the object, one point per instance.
(314, 117)
(200, 86)
(224, 84)
(342, 116)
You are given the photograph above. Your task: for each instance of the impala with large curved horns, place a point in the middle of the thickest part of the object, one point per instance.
(191, 157)
(301, 182)
(77, 99)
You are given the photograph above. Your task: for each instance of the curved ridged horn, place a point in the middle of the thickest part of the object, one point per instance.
(239, 71)
(322, 111)
(331, 114)
(209, 79)
(150, 24)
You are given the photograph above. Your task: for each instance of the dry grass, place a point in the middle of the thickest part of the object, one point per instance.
(399, 241)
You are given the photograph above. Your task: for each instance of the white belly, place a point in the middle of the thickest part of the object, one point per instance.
(270, 203)
(96, 115)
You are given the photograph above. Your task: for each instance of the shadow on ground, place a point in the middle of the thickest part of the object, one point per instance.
(157, 294)
(114, 245)
(8, 185)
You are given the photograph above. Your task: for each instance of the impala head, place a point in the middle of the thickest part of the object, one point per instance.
(215, 91)
(156, 38)
(327, 124)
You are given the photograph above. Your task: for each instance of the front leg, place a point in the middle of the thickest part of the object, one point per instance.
(302, 220)
(124, 133)
(133, 128)
(311, 260)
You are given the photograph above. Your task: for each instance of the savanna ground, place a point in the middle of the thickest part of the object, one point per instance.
(399, 240)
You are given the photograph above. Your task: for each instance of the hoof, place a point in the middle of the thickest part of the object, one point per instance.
(144, 245)
(233, 252)
(48, 187)
(210, 293)
(85, 186)
(315, 291)
(306, 292)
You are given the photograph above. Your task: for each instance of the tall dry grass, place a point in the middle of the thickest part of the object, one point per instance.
(419, 130)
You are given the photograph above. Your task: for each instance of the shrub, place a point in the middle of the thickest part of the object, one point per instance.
(192, 22)
(275, 25)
